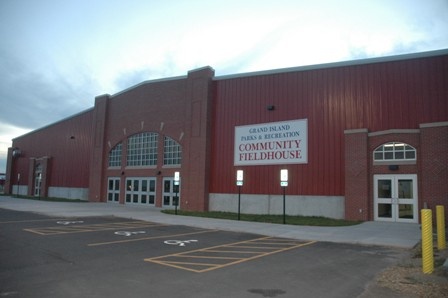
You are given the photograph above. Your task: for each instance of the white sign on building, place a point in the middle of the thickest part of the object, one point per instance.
(271, 143)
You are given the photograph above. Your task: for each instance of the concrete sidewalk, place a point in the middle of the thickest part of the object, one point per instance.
(401, 235)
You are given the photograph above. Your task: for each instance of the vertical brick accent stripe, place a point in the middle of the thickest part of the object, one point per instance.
(434, 164)
(356, 175)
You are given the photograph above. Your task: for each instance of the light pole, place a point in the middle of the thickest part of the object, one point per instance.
(284, 184)
(239, 183)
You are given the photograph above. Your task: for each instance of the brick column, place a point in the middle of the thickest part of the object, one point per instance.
(97, 158)
(433, 156)
(357, 203)
(196, 153)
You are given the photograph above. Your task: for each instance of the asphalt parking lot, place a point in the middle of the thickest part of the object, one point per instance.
(42, 256)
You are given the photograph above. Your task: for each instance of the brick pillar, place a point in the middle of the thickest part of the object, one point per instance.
(196, 153)
(97, 158)
(46, 174)
(357, 203)
(433, 157)
(31, 169)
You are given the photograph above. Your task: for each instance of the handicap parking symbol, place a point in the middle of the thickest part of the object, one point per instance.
(178, 242)
(128, 234)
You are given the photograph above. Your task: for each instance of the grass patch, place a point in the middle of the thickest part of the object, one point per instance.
(269, 218)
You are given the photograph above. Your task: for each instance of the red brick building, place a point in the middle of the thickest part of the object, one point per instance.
(365, 139)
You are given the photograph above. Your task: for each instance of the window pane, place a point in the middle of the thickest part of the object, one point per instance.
(406, 211)
(394, 151)
(410, 154)
(405, 190)
(385, 188)
(385, 210)
(142, 149)
(378, 156)
(167, 186)
(171, 152)
(115, 156)
(399, 155)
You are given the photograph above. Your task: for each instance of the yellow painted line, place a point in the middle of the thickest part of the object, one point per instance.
(254, 247)
(170, 260)
(178, 267)
(234, 251)
(207, 257)
(151, 238)
(80, 228)
(31, 220)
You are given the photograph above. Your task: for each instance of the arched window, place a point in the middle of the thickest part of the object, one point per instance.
(395, 151)
(115, 156)
(172, 152)
(142, 149)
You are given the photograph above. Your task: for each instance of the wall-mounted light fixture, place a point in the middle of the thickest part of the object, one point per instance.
(393, 167)
(16, 152)
(270, 107)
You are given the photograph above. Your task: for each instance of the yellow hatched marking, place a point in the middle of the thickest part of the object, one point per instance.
(90, 228)
(170, 260)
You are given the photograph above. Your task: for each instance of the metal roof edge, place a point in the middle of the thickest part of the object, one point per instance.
(383, 59)
(148, 82)
(54, 123)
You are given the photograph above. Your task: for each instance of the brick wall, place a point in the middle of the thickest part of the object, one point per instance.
(434, 164)
(431, 166)
(357, 205)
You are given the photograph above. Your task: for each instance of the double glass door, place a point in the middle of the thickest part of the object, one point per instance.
(140, 190)
(396, 198)
(171, 193)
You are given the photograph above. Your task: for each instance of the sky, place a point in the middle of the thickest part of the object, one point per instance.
(56, 56)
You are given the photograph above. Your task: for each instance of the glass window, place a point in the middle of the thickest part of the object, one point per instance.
(394, 151)
(172, 152)
(142, 149)
(115, 156)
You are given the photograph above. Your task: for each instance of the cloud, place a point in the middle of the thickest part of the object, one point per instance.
(34, 98)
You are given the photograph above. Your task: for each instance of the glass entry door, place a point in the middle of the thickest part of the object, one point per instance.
(140, 190)
(396, 198)
(37, 180)
(171, 193)
(113, 189)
